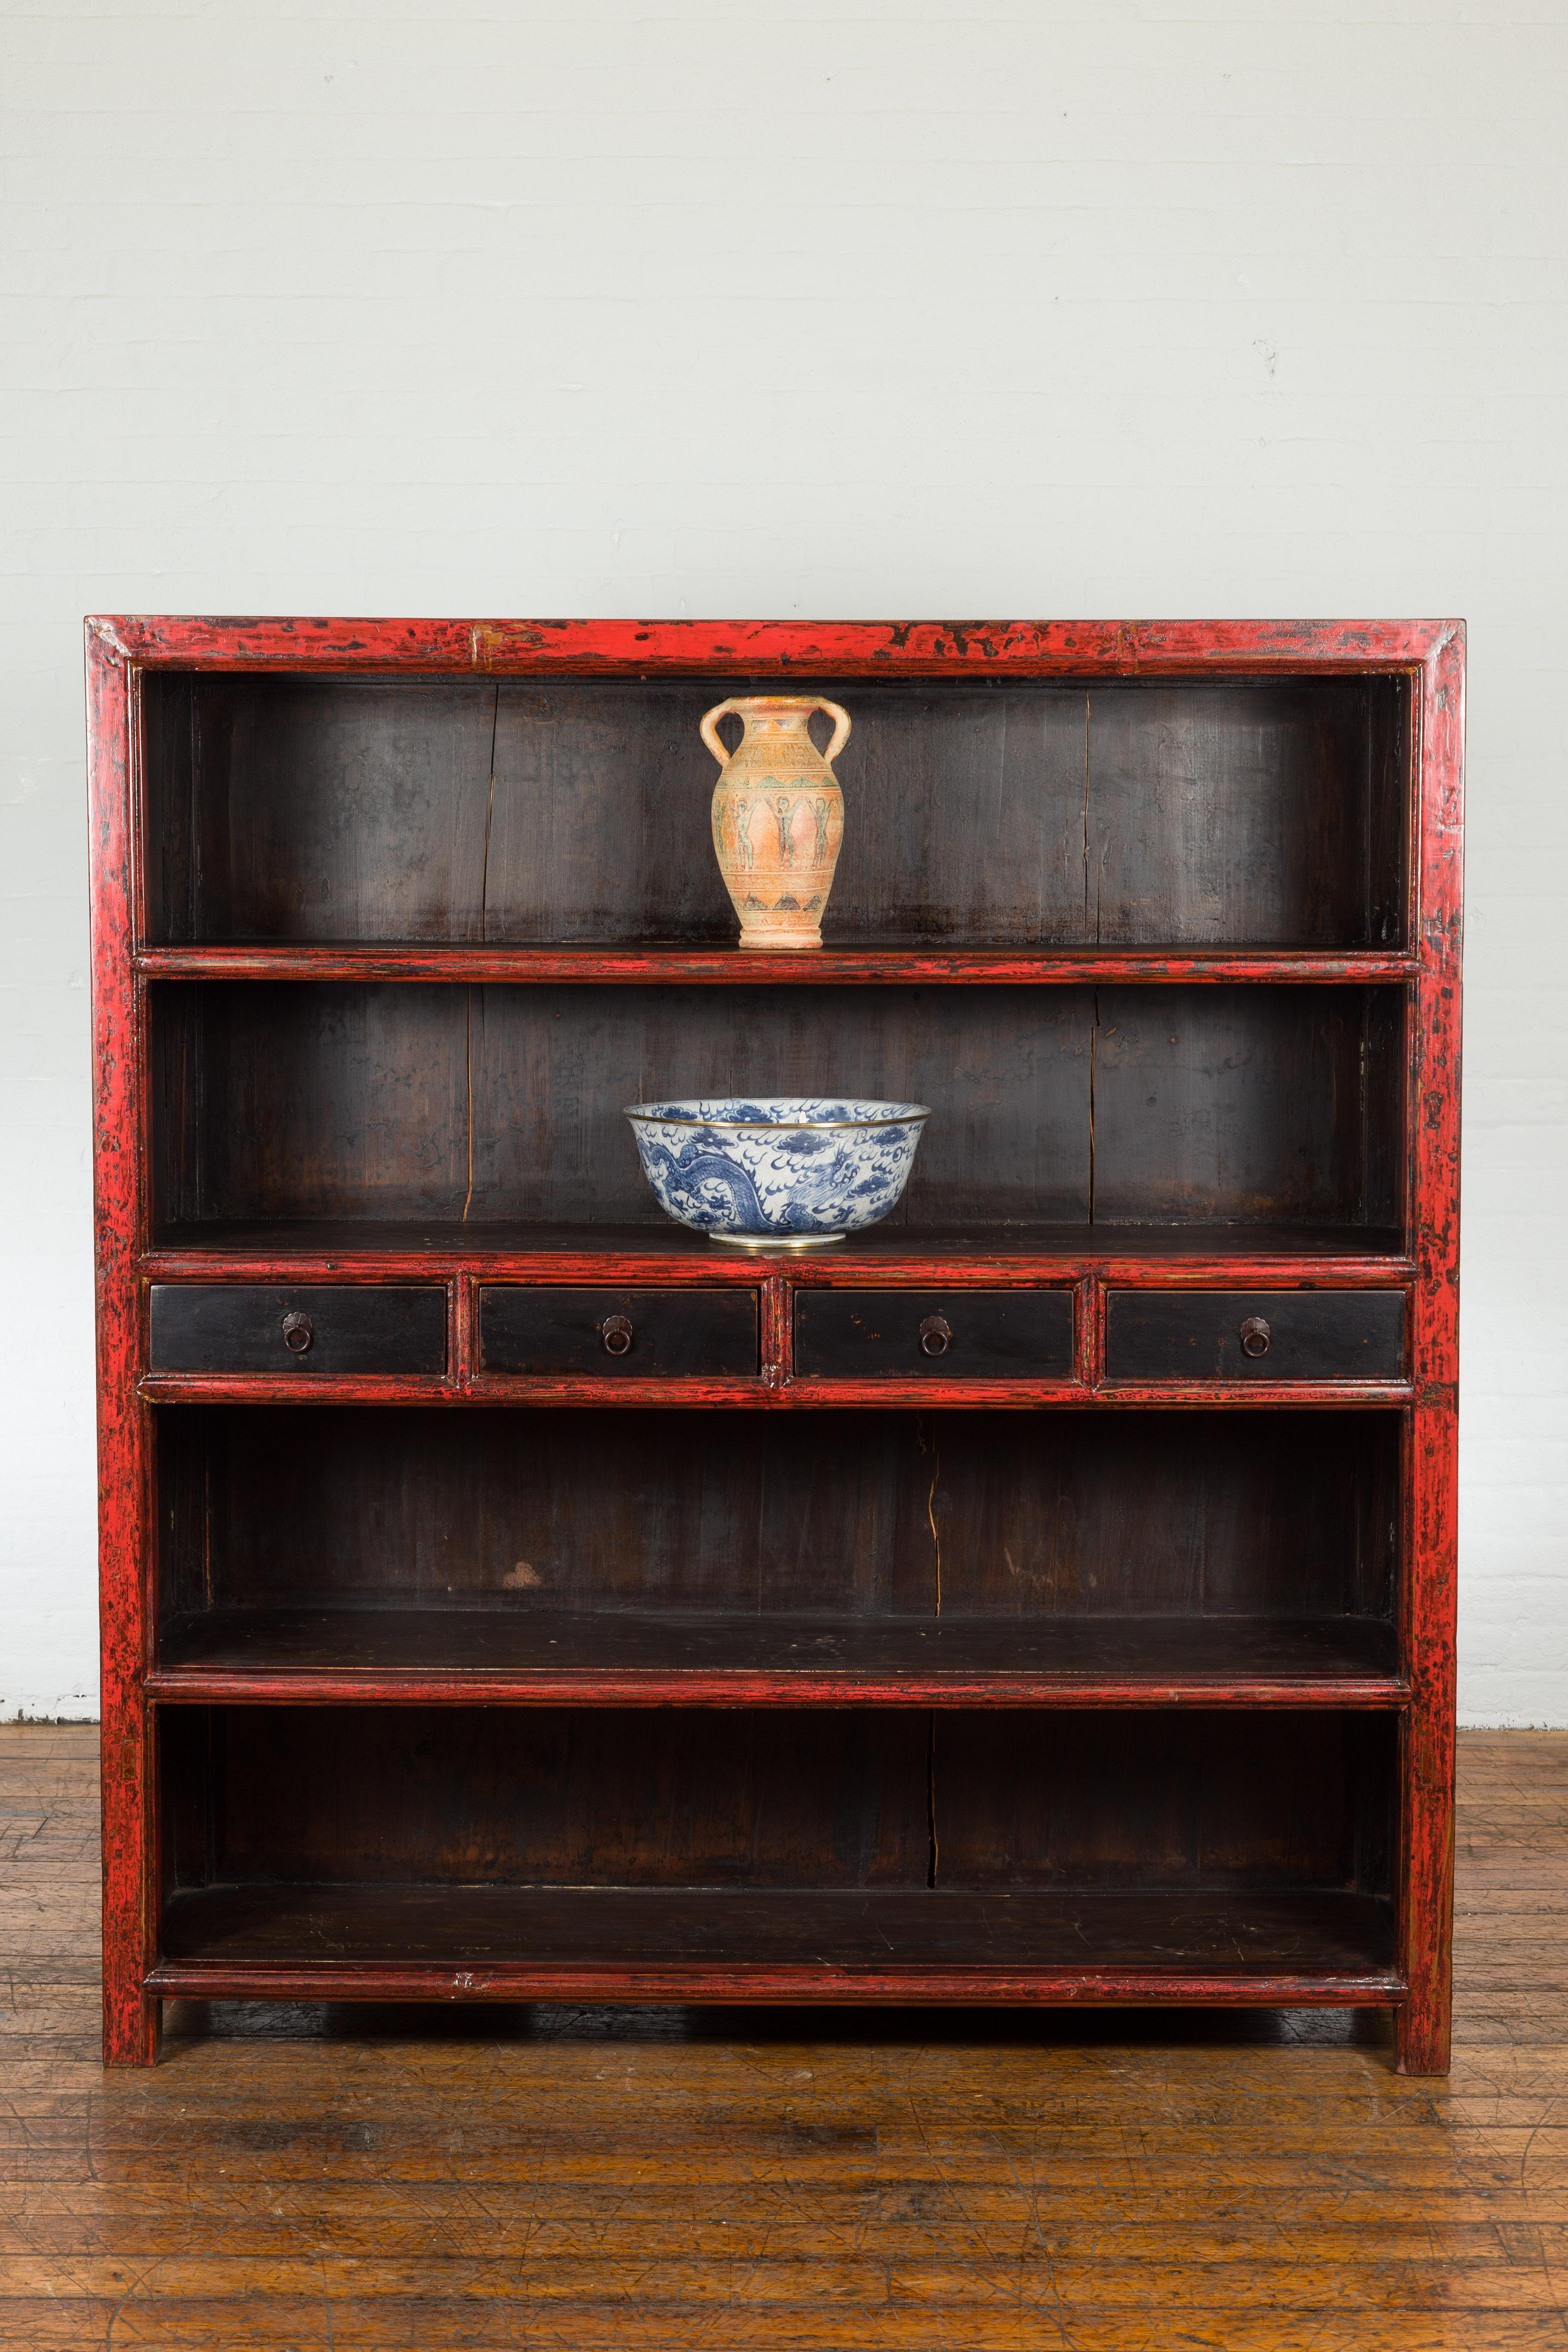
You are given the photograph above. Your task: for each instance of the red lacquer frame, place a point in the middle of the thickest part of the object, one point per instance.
(121, 648)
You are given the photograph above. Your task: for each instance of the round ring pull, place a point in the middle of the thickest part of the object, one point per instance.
(297, 1333)
(616, 1334)
(936, 1335)
(1255, 1336)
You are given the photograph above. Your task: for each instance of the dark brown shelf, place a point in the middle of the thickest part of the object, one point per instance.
(560, 1657)
(666, 962)
(1074, 1247)
(498, 1939)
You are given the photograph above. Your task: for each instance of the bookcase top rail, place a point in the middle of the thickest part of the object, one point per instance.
(751, 649)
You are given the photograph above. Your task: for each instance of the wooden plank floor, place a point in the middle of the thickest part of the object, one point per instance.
(414, 2181)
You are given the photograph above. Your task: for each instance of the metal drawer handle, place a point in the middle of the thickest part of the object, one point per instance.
(616, 1333)
(297, 1333)
(1254, 1336)
(936, 1335)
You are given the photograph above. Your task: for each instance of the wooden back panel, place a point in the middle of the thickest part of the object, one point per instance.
(1171, 1105)
(1263, 810)
(1183, 1514)
(809, 1798)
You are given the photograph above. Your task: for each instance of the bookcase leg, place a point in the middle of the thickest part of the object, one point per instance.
(1421, 2033)
(1421, 2029)
(132, 2028)
(132, 2018)
(1427, 1742)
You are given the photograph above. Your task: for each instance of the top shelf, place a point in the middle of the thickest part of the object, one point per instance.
(1196, 823)
(669, 963)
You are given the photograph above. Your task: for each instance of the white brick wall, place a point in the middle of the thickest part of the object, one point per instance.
(1245, 306)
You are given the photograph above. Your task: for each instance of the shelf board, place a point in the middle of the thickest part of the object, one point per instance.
(508, 1655)
(666, 963)
(348, 1941)
(436, 1245)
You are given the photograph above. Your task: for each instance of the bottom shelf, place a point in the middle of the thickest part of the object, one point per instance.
(381, 1942)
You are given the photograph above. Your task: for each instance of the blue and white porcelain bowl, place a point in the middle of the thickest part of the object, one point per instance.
(786, 1171)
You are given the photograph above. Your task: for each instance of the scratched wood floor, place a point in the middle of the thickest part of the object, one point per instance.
(331, 2178)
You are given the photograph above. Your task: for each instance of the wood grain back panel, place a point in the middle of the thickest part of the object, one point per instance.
(1166, 1801)
(1194, 1514)
(301, 808)
(804, 1797)
(1247, 809)
(487, 1796)
(1245, 1104)
(1263, 810)
(1213, 1104)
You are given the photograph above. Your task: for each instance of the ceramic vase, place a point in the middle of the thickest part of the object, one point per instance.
(778, 817)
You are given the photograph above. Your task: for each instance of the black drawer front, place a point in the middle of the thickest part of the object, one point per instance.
(955, 1335)
(623, 1334)
(1255, 1335)
(199, 1326)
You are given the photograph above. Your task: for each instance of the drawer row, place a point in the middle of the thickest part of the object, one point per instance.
(639, 1334)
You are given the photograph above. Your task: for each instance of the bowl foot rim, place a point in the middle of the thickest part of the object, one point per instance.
(776, 1241)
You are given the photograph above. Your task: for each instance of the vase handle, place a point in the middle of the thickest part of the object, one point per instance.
(710, 732)
(840, 718)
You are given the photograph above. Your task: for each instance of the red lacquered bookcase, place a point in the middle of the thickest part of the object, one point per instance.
(1105, 1654)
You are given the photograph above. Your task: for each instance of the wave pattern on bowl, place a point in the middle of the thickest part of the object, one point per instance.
(776, 1164)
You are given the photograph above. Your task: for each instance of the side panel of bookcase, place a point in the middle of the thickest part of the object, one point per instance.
(1422, 2024)
(130, 2019)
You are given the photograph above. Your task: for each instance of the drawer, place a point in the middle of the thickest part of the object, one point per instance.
(1255, 1335)
(322, 1327)
(955, 1335)
(623, 1334)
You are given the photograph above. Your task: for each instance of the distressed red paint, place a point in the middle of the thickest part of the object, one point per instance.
(741, 1687)
(748, 649)
(1432, 1501)
(130, 2019)
(825, 967)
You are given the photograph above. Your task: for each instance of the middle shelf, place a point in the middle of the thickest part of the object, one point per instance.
(678, 962)
(343, 1103)
(885, 1554)
(587, 1657)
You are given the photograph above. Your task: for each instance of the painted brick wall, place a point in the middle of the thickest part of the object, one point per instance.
(740, 307)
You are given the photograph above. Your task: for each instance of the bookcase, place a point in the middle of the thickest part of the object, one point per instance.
(1104, 1657)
